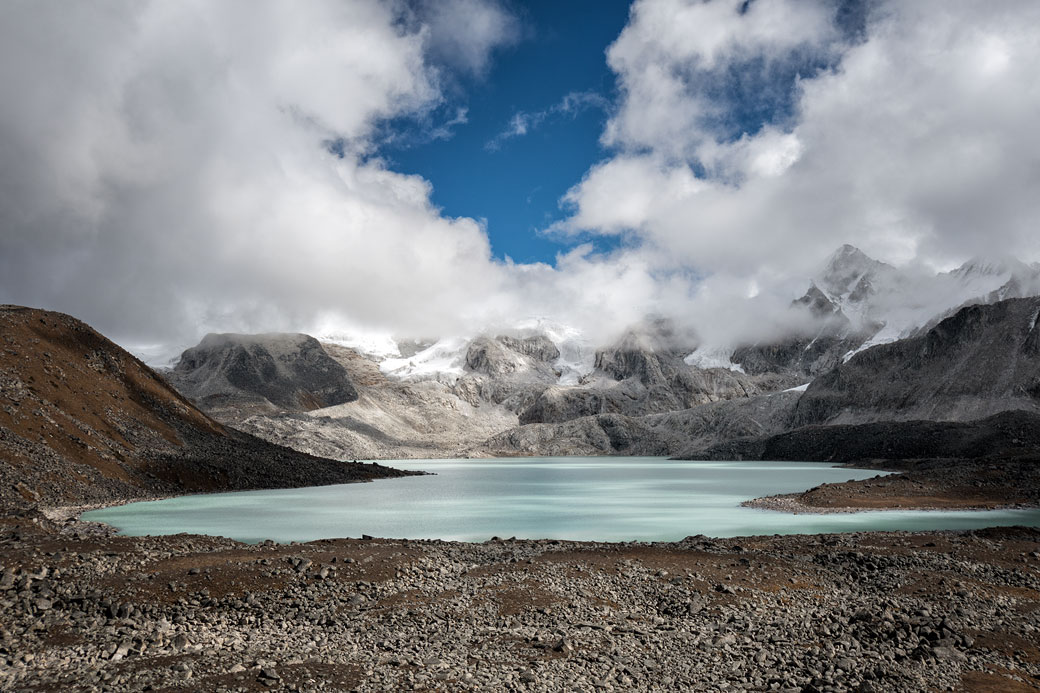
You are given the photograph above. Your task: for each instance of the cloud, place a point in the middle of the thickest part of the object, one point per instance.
(684, 68)
(165, 170)
(446, 130)
(461, 33)
(913, 139)
(524, 122)
(166, 166)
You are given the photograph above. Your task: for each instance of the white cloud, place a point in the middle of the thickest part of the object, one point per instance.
(166, 174)
(462, 32)
(671, 57)
(523, 122)
(164, 169)
(917, 145)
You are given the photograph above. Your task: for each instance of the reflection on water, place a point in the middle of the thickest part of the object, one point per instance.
(590, 498)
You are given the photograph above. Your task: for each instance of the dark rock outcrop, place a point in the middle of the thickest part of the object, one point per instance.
(668, 433)
(802, 357)
(1008, 435)
(978, 362)
(236, 375)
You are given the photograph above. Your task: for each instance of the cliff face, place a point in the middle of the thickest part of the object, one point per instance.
(81, 420)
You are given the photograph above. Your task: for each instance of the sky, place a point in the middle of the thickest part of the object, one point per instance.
(437, 167)
(532, 126)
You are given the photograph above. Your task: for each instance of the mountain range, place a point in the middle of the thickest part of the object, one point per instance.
(869, 343)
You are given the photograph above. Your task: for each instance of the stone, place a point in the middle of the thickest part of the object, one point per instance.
(949, 654)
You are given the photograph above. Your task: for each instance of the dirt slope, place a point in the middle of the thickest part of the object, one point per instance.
(81, 420)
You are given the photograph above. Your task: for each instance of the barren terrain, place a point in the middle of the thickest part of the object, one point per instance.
(948, 611)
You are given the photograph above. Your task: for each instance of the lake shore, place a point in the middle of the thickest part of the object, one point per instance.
(845, 612)
(920, 485)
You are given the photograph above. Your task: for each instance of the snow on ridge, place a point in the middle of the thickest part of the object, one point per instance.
(377, 347)
(576, 360)
(712, 357)
(577, 353)
(799, 388)
(442, 361)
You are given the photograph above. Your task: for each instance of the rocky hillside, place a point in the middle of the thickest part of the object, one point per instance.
(669, 433)
(81, 420)
(643, 373)
(649, 392)
(980, 362)
(390, 419)
(983, 360)
(1011, 435)
(238, 375)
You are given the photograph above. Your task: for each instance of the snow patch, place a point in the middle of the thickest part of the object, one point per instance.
(800, 388)
(577, 354)
(444, 361)
(712, 357)
(377, 347)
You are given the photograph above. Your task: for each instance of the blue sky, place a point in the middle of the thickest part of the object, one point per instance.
(517, 185)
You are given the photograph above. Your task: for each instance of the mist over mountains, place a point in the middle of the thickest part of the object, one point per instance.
(851, 302)
(956, 348)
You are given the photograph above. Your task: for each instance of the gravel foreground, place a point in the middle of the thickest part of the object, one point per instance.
(81, 610)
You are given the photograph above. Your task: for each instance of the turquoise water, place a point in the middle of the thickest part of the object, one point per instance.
(593, 499)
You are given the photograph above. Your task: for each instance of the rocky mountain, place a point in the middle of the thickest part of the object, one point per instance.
(237, 375)
(643, 373)
(857, 302)
(507, 370)
(982, 360)
(669, 433)
(81, 420)
(453, 397)
(968, 387)
(400, 418)
(655, 389)
(1010, 435)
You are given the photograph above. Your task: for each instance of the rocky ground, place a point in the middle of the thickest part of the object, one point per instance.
(949, 611)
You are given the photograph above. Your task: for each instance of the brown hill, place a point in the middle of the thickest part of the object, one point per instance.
(82, 420)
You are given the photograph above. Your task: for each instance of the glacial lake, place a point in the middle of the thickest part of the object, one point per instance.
(591, 498)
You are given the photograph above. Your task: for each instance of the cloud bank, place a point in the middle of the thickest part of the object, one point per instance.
(167, 169)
